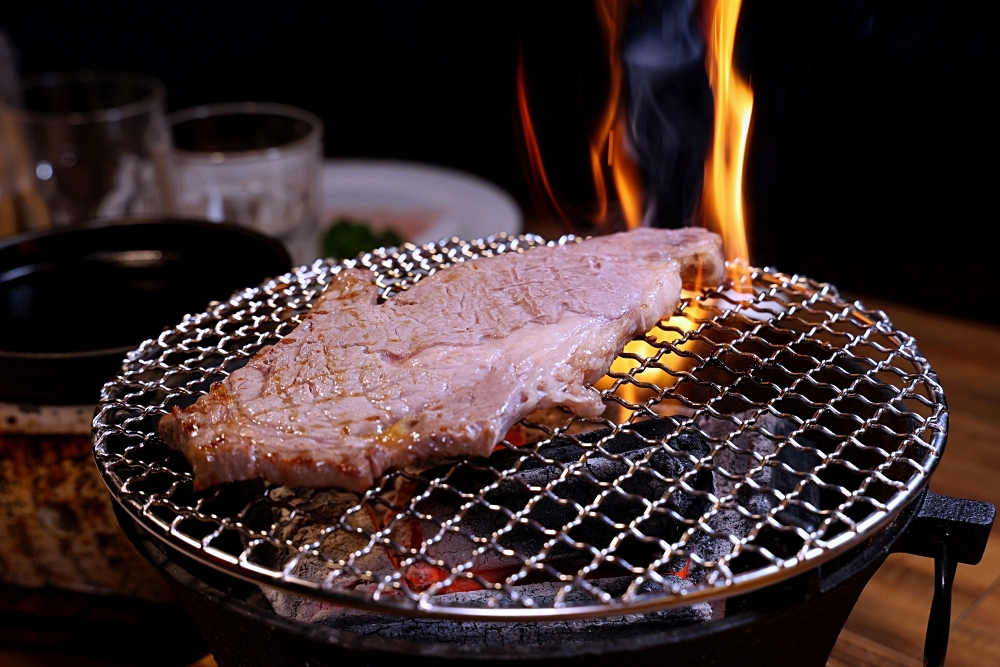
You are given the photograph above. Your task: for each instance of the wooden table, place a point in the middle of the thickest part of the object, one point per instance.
(887, 626)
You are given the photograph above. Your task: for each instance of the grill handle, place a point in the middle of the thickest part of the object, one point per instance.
(951, 531)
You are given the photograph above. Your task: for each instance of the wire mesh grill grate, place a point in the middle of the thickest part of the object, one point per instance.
(764, 428)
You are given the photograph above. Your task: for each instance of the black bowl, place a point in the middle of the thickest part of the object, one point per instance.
(74, 301)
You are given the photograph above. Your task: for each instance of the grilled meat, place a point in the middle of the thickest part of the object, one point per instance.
(440, 371)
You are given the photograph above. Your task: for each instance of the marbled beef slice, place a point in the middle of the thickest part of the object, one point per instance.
(442, 370)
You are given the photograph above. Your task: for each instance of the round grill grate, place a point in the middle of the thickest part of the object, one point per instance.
(763, 429)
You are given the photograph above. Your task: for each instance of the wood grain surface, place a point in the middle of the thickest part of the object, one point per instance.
(892, 612)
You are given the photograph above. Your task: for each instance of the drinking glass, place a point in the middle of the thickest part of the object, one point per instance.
(74, 149)
(255, 164)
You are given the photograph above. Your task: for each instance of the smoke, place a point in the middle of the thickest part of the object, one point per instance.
(670, 107)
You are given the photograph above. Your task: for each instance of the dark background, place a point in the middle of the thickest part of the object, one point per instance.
(873, 155)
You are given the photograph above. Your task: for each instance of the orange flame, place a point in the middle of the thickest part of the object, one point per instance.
(608, 140)
(722, 198)
(544, 200)
(626, 174)
(610, 133)
(608, 12)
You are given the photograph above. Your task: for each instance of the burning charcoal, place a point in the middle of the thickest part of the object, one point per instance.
(501, 634)
(307, 514)
(590, 479)
(601, 468)
(786, 481)
(295, 606)
(714, 549)
(729, 521)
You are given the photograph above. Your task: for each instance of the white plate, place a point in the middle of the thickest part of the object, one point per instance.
(422, 202)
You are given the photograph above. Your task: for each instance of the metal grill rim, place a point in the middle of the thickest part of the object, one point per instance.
(256, 316)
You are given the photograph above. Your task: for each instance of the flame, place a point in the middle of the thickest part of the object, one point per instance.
(722, 205)
(601, 138)
(626, 174)
(545, 200)
(610, 134)
(669, 331)
(722, 198)
(609, 150)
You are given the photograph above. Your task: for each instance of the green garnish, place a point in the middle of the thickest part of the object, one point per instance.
(346, 239)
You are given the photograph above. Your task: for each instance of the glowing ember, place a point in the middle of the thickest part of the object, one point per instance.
(722, 198)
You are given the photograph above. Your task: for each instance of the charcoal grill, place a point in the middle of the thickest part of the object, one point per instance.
(767, 431)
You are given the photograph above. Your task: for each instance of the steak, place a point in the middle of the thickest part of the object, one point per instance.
(442, 370)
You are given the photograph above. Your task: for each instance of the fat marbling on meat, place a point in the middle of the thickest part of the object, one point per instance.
(442, 370)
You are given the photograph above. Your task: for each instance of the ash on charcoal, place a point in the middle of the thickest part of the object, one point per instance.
(739, 459)
(736, 462)
(322, 518)
(658, 471)
(329, 523)
(799, 463)
(473, 633)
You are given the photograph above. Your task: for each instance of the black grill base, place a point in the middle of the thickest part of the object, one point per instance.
(798, 636)
(792, 624)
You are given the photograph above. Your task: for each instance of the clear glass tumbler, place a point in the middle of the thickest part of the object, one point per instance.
(255, 164)
(76, 143)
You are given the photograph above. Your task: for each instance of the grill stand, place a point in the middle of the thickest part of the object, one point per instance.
(951, 531)
(793, 623)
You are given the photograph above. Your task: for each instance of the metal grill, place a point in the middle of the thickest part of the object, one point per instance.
(764, 428)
